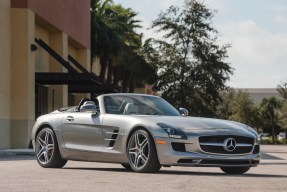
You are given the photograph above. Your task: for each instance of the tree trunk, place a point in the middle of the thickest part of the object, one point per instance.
(110, 72)
(126, 81)
(116, 76)
(273, 131)
(132, 86)
(104, 64)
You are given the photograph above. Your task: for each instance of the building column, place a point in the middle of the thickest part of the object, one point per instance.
(58, 96)
(84, 58)
(5, 55)
(22, 77)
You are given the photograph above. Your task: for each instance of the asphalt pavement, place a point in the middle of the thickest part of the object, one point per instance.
(19, 171)
(268, 152)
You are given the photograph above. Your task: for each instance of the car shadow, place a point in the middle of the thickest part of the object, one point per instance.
(178, 173)
(172, 172)
(269, 157)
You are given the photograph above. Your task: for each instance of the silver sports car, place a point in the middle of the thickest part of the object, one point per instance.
(142, 133)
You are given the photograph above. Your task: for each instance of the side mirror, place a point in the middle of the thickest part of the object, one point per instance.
(183, 111)
(88, 108)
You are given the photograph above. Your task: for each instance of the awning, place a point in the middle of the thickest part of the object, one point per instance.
(78, 82)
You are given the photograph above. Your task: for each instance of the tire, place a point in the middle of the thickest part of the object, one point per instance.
(235, 170)
(47, 150)
(142, 153)
(126, 166)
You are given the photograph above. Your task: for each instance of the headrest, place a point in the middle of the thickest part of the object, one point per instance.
(89, 103)
(131, 109)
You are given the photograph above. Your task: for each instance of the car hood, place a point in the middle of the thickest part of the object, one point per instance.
(200, 125)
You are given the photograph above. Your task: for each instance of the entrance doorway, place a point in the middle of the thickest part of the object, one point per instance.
(41, 100)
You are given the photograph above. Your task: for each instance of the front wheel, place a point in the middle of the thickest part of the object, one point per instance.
(235, 170)
(47, 150)
(142, 153)
(126, 166)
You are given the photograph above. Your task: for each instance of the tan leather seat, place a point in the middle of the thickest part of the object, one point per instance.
(131, 109)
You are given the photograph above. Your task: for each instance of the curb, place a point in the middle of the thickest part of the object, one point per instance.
(16, 152)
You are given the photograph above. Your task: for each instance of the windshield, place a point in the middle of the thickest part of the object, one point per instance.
(138, 105)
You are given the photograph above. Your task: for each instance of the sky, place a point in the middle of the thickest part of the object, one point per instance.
(256, 30)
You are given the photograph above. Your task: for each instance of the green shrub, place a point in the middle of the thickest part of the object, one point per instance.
(277, 141)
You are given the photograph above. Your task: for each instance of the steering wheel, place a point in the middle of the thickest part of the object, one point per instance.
(123, 105)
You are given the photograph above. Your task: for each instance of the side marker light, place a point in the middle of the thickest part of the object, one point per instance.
(162, 142)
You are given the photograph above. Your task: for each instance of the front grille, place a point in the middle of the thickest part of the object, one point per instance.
(221, 138)
(216, 145)
(221, 150)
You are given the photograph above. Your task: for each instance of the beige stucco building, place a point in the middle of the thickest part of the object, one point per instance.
(258, 94)
(33, 80)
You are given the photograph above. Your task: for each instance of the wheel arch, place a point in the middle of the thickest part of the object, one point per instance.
(134, 129)
(37, 131)
(56, 160)
(42, 126)
(152, 164)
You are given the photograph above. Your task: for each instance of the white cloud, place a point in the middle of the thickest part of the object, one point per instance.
(281, 19)
(276, 8)
(258, 56)
(217, 4)
(167, 3)
(258, 52)
(146, 29)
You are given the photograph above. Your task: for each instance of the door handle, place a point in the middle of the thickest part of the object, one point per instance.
(70, 118)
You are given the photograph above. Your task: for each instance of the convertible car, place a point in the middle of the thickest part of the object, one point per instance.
(143, 133)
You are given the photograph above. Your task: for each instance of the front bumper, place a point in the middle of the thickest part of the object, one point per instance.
(194, 156)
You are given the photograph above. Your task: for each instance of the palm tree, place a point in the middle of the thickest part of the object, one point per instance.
(124, 23)
(115, 41)
(105, 41)
(269, 108)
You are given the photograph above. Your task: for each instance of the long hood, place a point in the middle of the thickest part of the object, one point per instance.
(206, 126)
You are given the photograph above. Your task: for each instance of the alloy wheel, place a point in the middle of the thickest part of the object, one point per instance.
(138, 150)
(45, 146)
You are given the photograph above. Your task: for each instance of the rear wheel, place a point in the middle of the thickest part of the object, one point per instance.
(47, 150)
(235, 170)
(142, 153)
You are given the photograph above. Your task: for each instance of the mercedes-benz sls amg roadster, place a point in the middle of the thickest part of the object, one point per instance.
(143, 133)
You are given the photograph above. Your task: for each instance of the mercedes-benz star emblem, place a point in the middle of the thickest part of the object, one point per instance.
(229, 144)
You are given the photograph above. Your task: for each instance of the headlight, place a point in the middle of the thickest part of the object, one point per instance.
(173, 132)
(252, 131)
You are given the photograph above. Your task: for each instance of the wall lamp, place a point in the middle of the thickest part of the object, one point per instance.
(33, 47)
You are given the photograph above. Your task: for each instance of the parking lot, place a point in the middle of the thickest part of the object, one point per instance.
(22, 173)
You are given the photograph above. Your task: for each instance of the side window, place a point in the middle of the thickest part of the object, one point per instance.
(113, 104)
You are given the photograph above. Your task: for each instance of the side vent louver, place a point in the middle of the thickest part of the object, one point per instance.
(113, 137)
